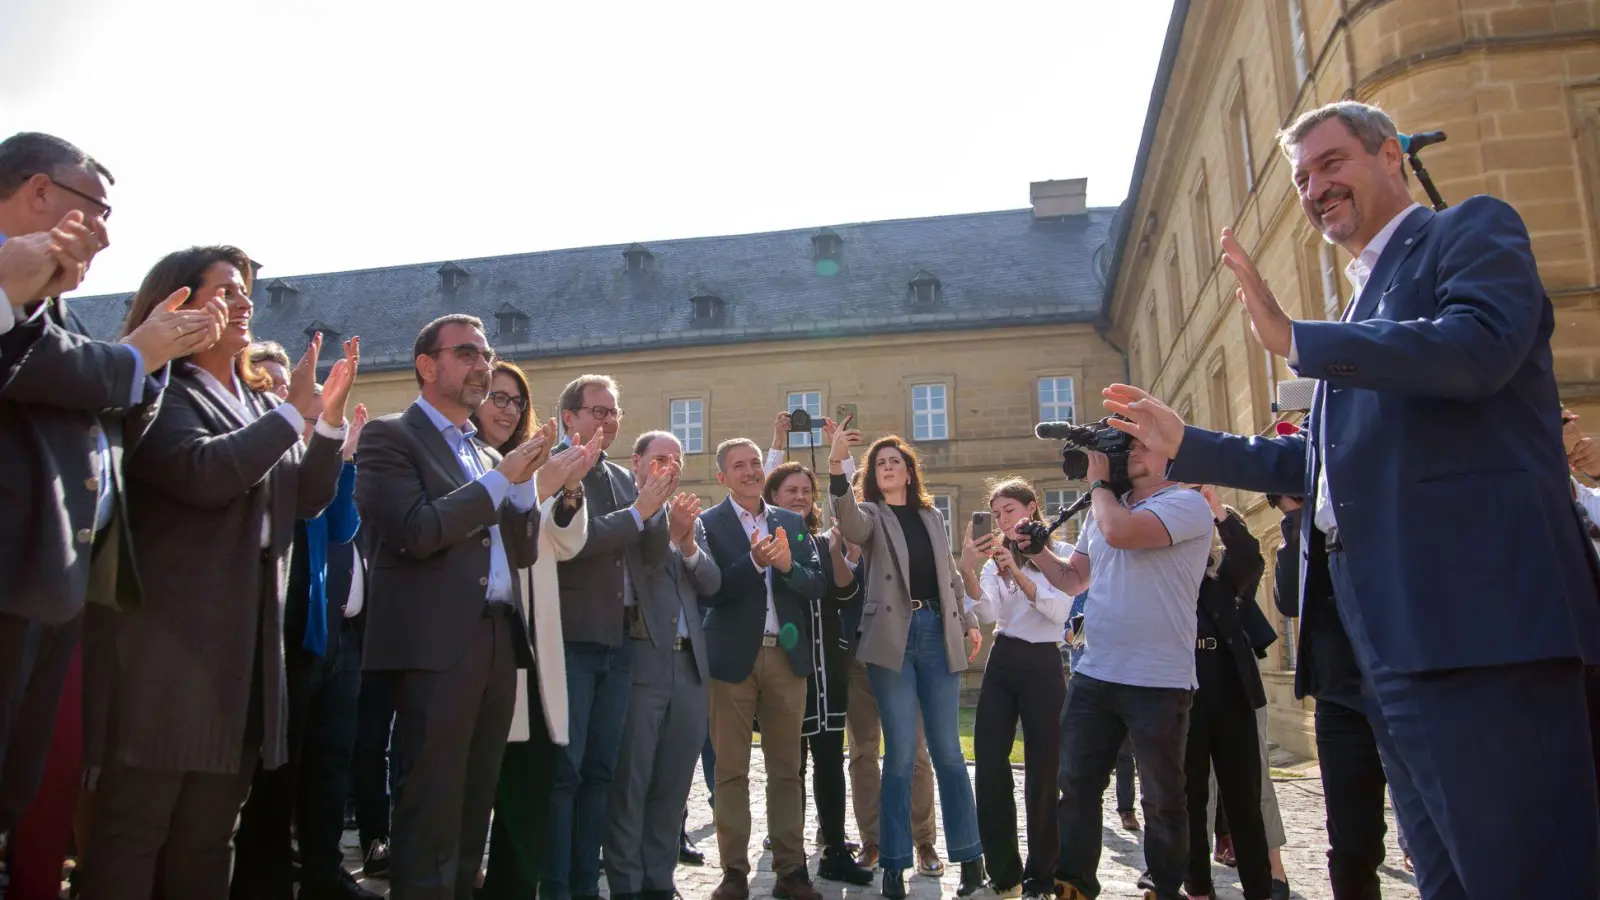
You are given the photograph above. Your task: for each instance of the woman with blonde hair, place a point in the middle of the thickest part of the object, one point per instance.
(913, 627)
(1022, 681)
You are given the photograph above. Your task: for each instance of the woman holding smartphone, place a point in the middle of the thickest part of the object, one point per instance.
(912, 629)
(1023, 680)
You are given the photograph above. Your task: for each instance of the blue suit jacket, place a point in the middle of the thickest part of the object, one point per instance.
(736, 615)
(1444, 450)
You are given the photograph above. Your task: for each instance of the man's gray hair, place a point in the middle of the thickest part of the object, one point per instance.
(731, 444)
(1371, 125)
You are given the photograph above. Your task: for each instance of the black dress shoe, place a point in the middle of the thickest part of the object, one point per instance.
(894, 884)
(688, 853)
(839, 864)
(972, 877)
(376, 862)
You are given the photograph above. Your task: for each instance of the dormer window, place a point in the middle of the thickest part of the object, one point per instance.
(513, 321)
(825, 250)
(707, 308)
(924, 289)
(451, 277)
(279, 291)
(639, 257)
(330, 339)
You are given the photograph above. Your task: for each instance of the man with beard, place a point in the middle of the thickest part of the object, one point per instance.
(1436, 427)
(449, 520)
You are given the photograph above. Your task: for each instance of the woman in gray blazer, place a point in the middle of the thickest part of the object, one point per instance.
(912, 629)
(213, 492)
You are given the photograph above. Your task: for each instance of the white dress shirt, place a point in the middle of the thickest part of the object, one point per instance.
(758, 524)
(352, 606)
(1357, 271)
(775, 459)
(1003, 604)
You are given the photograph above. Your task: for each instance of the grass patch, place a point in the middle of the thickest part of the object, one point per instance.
(967, 717)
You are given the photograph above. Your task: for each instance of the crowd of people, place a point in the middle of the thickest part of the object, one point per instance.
(232, 603)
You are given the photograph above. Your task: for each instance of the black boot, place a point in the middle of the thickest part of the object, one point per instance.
(894, 884)
(839, 864)
(971, 877)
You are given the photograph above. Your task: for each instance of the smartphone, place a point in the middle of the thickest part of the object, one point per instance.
(982, 523)
(844, 415)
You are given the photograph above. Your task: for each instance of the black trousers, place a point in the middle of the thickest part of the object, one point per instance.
(33, 666)
(517, 837)
(1023, 682)
(1353, 786)
(311, 790)
(1222, 738)
(826, 748)
(1095, 719)
(375, 767)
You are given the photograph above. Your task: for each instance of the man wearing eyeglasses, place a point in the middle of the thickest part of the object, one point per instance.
(451, 521)
(599, 612)
(64, 402)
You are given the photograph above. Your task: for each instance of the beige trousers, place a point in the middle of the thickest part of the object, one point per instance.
(777, 697)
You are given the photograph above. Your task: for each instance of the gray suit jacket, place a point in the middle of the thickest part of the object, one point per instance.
(429, 528)
(673, 589)
(199, 485)
(886, 615)
(58, 391)
(591, 582)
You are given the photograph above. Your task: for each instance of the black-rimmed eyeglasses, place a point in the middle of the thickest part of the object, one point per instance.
(600, 413)
(501, 399)
(105, 214)
(466, 353)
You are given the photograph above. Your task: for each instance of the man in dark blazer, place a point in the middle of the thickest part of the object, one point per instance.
(64, 402)
(666, 721)
(1433, 469)
(451, 523)
(600, 589)
(758, 644)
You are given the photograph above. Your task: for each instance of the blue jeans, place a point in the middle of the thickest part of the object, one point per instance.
(924, 681)
(599, 683)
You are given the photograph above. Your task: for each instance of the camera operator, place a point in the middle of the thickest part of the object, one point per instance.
(1146, 552)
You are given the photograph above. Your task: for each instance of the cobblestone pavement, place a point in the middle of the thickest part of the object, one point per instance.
(1299, 800)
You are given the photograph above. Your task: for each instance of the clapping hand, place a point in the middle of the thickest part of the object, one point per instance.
(341, 378)
(658, 486)
(772, 551)
(1148, 420)
(564, 469)
(682, 514)
(173, 331)
(524, 459)
(352, 435)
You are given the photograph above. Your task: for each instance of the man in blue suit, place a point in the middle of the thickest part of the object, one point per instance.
(1433, 469)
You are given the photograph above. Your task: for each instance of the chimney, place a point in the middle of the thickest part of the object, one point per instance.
(1064, 197)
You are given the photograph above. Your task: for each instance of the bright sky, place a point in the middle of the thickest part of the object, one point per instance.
(323, 135)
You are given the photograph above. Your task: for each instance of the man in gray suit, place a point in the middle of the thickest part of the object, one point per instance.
(599, 607)
(666, 719)
(451, 521)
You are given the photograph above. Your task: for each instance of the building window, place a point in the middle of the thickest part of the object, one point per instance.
(1055, 399)
(1299, 40)
(924, 288)
(1057, 499)
(941, 502)
(638, 257)
(1586, 116)
(1175, 291)
(689, 424)
(1221, 406)
(930, 416)
(1158, 351)
(811, 402)
(1243, 161)
(1205, 240)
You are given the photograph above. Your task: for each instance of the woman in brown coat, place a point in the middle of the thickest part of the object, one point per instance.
(913, 627)
(213, 491)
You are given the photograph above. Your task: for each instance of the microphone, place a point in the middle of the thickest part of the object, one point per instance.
(1054, 431)
(1411, 143)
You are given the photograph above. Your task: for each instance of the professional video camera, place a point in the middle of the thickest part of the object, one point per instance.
(1100, 437)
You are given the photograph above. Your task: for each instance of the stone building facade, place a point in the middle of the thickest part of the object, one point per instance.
(1515, 84)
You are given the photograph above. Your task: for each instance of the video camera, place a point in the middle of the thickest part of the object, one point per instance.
(1100, 437)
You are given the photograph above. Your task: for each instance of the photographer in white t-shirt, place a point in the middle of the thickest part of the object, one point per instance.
(1145, 553)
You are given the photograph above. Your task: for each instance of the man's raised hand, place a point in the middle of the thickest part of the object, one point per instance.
(1272, 326)
(1150, 421)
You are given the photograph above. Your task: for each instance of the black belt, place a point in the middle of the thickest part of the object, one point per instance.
(499, 609)
(1334, 543)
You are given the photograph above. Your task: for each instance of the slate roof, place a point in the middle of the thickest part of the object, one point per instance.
(993, 269)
